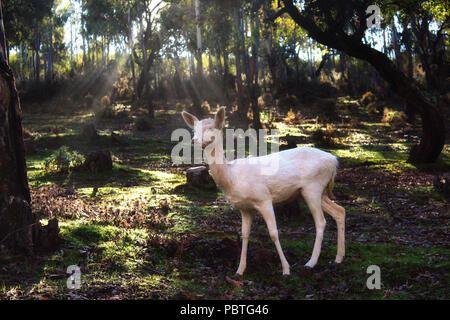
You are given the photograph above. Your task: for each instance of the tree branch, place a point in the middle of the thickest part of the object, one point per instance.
(278, 14)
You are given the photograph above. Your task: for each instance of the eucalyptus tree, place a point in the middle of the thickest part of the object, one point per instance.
(430, 24)
(147, 48)
(342, 25)
(24, 26)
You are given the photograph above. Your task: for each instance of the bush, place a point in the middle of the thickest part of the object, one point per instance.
(266, 100)
(122, 111)
(123, 88)
(367, 98)
(143, 124)
(63, 161)
(180, 106)
(326, 108)
(372, 109)
(106, 112)
(89, 100)
(294, 117)
(106, 101)
(268, 118)
(113, 112)
(324, 138)
(393, 117)
(206, 108)
(287, 102)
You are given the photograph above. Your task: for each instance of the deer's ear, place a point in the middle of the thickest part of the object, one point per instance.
(190, 119)
(219, 119)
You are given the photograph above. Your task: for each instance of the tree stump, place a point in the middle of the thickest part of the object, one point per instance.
(199, 177)
(442, 184)
(49, 235)
(98, 161)
(119, 139)
(291, 141)
(89, 131)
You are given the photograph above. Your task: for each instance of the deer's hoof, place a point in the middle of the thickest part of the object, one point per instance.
(339, 259)
(310, 264)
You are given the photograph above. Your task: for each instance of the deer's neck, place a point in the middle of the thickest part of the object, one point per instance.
(219, 167)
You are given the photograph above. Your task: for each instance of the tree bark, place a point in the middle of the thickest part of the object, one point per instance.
(198, 54)
(18, 224)
(37, 44)
(433, 126)
(242, 106)
(253, 76)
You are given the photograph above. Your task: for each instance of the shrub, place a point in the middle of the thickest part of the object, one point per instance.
(326, 108)
(287, 102)
(372, 109)
(143, 124)
(367, 98)
(27, 134)
(294, 117)
(393, 117)
(122, 111)
(355, 123)
(106, 112)
(106, 101)
(206, 108)
(266, 100)
(180, 106)
(123, 89)
(113, 112)
(141, 112)
(63, 161)
(324, 138)
(89, 100)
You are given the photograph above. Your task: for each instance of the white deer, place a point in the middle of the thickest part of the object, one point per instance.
(301, 172)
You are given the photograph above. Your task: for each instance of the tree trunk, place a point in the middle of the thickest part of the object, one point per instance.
(253, 75)
(131, 45)
(325, 58)
(18, 224)
(37, 44)
(242, 107)
(199, 40)
(49, 71)
(433, 126)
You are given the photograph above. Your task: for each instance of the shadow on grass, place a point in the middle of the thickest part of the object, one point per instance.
(120, 176)
(195, 194)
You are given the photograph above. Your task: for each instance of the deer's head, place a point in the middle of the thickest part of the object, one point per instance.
(207, 130)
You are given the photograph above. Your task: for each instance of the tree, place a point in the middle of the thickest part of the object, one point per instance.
(149, 46)
(342, 25)
(23, 24)
(18, 224)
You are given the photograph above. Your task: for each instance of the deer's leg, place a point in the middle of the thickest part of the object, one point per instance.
(313, 199)
(266, 210)
(338, 214)
(246, 226)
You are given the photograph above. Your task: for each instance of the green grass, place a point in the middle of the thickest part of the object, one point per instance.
(192, 254)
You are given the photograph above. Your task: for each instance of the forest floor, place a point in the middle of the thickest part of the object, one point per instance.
(141, 232)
